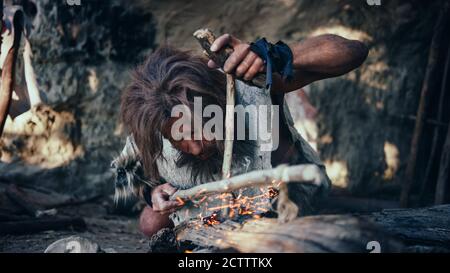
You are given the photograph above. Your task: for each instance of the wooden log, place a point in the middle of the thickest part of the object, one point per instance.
(39, 225)
(425, 226)
(354, 204)
(310, 174)
(18, 197)
(392, 230)
(439, 32)
(15, 195)
(46, 199)
(9, 70)
(318, 234)
(442, 186)
(206, 37)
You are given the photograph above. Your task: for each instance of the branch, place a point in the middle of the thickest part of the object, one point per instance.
(205, 37)
(229, 127)
(309, 174)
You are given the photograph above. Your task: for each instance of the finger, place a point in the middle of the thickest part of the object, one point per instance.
(222, 41)
(236, 58)
(254, 69)
(169, 189)
(165, 212)
(246, 64)
(168, 205)
(155, 204)
(158, 199)
(212, 64)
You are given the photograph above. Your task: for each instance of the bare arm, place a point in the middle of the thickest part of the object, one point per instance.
(316, 58)
(322, 57)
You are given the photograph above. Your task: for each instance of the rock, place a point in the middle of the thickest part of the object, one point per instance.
(164, 241)
(73, 244)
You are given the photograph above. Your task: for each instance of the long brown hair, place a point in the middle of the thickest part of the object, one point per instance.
(167, 78)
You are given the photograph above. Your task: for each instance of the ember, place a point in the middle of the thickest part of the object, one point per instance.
(211, 220)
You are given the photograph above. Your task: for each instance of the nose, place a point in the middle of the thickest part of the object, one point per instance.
(190, 147)
(195, 148)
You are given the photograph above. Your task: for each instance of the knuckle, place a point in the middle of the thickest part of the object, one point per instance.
(253, 70)
(240, 70)
(249, 75)
(229, 64)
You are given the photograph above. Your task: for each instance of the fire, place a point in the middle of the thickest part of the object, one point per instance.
(211, 220)
(241, 205)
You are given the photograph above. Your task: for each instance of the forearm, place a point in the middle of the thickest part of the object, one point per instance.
(323, 57)
(329, 55)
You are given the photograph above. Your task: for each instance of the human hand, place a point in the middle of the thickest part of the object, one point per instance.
(243, 62)
(161, 199)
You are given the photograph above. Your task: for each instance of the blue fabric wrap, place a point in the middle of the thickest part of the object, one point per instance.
(278, 58)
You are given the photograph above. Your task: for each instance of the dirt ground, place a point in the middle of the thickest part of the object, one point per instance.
(113, 233)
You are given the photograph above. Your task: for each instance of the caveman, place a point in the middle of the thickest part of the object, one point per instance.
(169, 78)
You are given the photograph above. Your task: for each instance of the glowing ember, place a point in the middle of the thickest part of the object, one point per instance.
(211, 220)
(240, 208)
(180, 201)
(272, 192)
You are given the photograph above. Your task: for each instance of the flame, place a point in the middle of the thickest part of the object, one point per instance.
(247, 206)
(211, 220)
(180, 201)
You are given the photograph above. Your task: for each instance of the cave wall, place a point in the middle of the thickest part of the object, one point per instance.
(82, 55)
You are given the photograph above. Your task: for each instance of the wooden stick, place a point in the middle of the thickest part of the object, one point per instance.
(206, 37)
(287, 210)
(229, 136)
(9, 70)
(38, 225)
(229, 128)
(14, 195)
(309, 174)
(437, 131)
(444, 174)
(433, 57)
